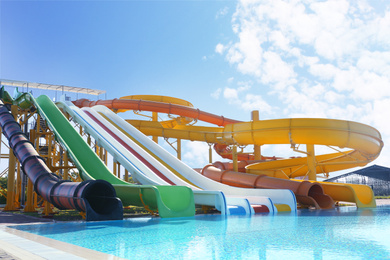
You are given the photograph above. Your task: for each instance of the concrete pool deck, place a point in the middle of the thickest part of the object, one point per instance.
(16, 244)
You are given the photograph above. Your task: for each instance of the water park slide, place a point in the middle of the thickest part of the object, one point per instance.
(140, 168)
(96, 198)
(310, 194)
(168, 200)
(364, 140)
(140, 142)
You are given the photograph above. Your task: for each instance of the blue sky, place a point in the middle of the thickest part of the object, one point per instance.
(327, 59)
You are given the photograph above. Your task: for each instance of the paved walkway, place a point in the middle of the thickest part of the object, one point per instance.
(8, 218)
(16, 245)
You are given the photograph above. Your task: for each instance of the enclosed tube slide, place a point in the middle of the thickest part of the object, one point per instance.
(96, 198)
(186, 174)
(307, 193)
(169, 201)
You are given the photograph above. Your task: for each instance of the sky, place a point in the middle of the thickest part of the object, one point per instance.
(287, 59)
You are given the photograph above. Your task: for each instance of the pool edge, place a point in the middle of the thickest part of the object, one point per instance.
(36, 247)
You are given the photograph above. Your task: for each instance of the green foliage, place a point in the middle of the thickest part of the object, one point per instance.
(3, 185)
(382, 197)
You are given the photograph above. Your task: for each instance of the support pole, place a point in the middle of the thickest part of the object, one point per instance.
(101, 153)
(155, 119)
(256, 148)
(18, 194)
(30, 189)
(65, 175)
(311, 162)
(119, 170)
(10, 205)
(210, 154)
(178, 148)
(126, 175)
(30, 197)
(235, 163)
(114, 166)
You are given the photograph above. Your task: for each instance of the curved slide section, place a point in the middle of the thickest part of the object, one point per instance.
(169, 201)
(96, 198)
(154, 106)
(190, 176)
(365, 141)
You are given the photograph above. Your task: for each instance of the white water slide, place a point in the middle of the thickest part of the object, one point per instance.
(150, 164)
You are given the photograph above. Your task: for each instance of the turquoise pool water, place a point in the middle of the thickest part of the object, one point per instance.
(344, 233)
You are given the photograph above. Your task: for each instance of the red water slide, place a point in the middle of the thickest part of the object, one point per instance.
(96, 198)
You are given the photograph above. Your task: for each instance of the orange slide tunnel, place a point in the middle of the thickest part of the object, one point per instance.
(307, 193)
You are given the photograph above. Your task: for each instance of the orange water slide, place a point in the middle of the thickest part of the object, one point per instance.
(171, 108)
(307, 193)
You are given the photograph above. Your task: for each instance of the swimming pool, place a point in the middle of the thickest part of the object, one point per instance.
(343, 233)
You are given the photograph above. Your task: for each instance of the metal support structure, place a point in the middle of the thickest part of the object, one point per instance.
(235, 158)
(178, 148)
(256, 148)
(155, 119)
(119, 170)
(65, 175)
(210, 154)
(311, 162)
(10, 205)
(126, 175)
(114, 168)
(29, 207)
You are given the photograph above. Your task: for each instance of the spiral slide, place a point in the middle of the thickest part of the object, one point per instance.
(364, 141)
(170, 201)
(97, 198)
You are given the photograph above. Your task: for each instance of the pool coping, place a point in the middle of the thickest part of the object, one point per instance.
(23, 245)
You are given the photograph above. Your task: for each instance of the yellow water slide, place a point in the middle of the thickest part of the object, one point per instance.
(362, 142)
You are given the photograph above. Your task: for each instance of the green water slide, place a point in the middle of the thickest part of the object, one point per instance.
(170, 201)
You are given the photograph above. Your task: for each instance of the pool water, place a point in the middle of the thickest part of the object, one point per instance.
(342, 233)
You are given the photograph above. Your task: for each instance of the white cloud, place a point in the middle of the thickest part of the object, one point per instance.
(222, 12)
(220, 48)
(197, 154)
(247, 101)
(311, 58)
(230, 93)
(216, 94)
(256, 102)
